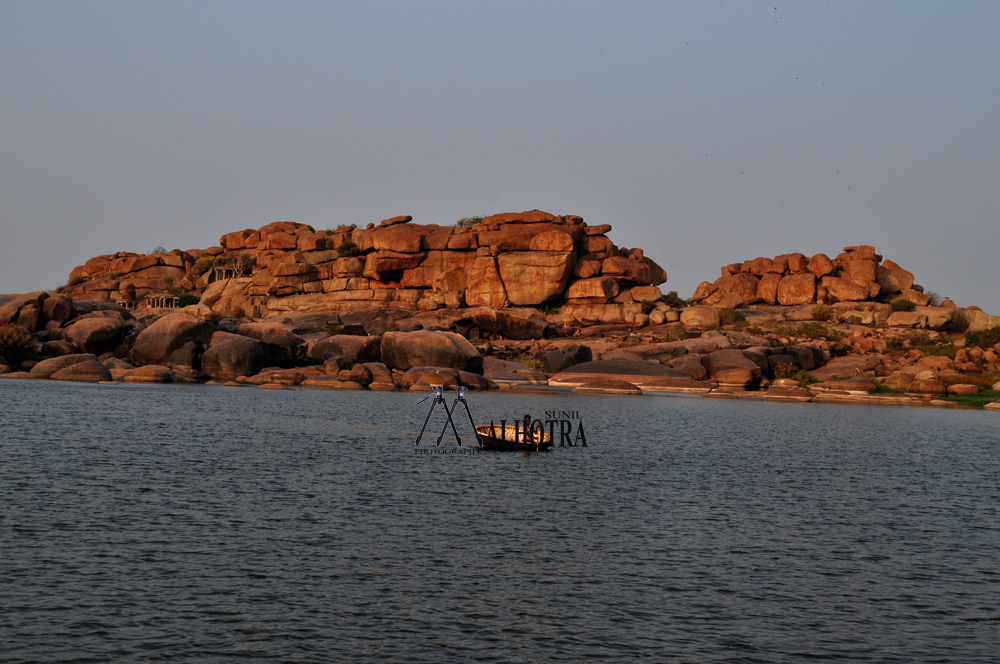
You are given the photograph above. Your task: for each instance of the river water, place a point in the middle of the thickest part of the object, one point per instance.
(192, 523)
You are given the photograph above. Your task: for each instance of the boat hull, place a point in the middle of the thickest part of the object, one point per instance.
(505, 439)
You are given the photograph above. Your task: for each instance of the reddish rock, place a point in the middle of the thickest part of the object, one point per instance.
(404, 350)
(153, 373)
(552, 241)
(463, 241)
(312, 242)
(928, 386)
(529, 217)
(96, 335)
(963, 389)
(403, 239)
(645, 294)
(382, 262)
(238, 239)
(859, 269)
(534, 277)
(599, 289)
(587, 268)
(761, 266)
(451, 280)
(767, 290)
(234, 355)
(844, 290)
(797, 263)
(797, 289)
(46, 368)
(602, 229)
(916, 297)
(598, 245)
(626, 271)
(700, 317)
(892, 278)
(820, 266)
(88, 371)
(396, 220)
(907, 319)
(155, 344)
(358, 348)
(280, 241)
(779, 265)
(657, 275)
(434, 265)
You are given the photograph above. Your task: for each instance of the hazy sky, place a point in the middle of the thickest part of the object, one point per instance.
(704, 133)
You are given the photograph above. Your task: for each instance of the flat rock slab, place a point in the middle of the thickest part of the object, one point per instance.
(608, 385)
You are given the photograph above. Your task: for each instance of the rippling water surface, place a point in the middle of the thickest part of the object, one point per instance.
(147, 523)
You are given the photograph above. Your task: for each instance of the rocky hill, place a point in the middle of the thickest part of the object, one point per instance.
(391, 270)
(520, 298)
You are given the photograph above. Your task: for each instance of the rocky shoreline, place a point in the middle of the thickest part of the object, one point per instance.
(499, 302)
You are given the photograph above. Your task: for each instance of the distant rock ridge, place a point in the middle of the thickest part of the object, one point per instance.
(857, 275)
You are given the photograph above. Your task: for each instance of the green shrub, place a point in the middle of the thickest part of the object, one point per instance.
(76, 279)
(202, 265)
(15, 346)
(958, 322)
(348, 248)
(112, 274)
(881, 388)
(976, 400)
(549, 308)
(647, 307)
(222, 261)
(187, 300)
(534, 364)
(466, 222)
(730, 316)
(983, 338)
(333, 329)
(822, 312)
(246, 263)
(894, 343)
(902, 304)
(818, 331)
(804, 377)
(346, 227)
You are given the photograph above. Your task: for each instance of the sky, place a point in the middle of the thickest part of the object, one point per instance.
(705, 133)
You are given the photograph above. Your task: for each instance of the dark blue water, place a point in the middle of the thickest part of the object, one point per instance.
(154, 523)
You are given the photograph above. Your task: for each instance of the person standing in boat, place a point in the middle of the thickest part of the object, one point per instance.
(527, 430)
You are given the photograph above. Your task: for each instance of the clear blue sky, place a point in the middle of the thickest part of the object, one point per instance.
(706, 133)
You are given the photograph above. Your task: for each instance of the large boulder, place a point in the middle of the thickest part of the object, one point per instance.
(892, 278)
(155, 344)
(96, 335)
(284, 346)
(402, 238)
(485, 287)
(845, 290)
(534, 277)
(360, 349)
(404, 350)
(510, 323)
(627, 271)
(597, 289)
(702, 316)
(797, 289)
(731, 367)
(88, 371)
(234, 355)
(46, 368)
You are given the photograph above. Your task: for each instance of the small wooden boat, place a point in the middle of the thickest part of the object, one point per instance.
(511, 438)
